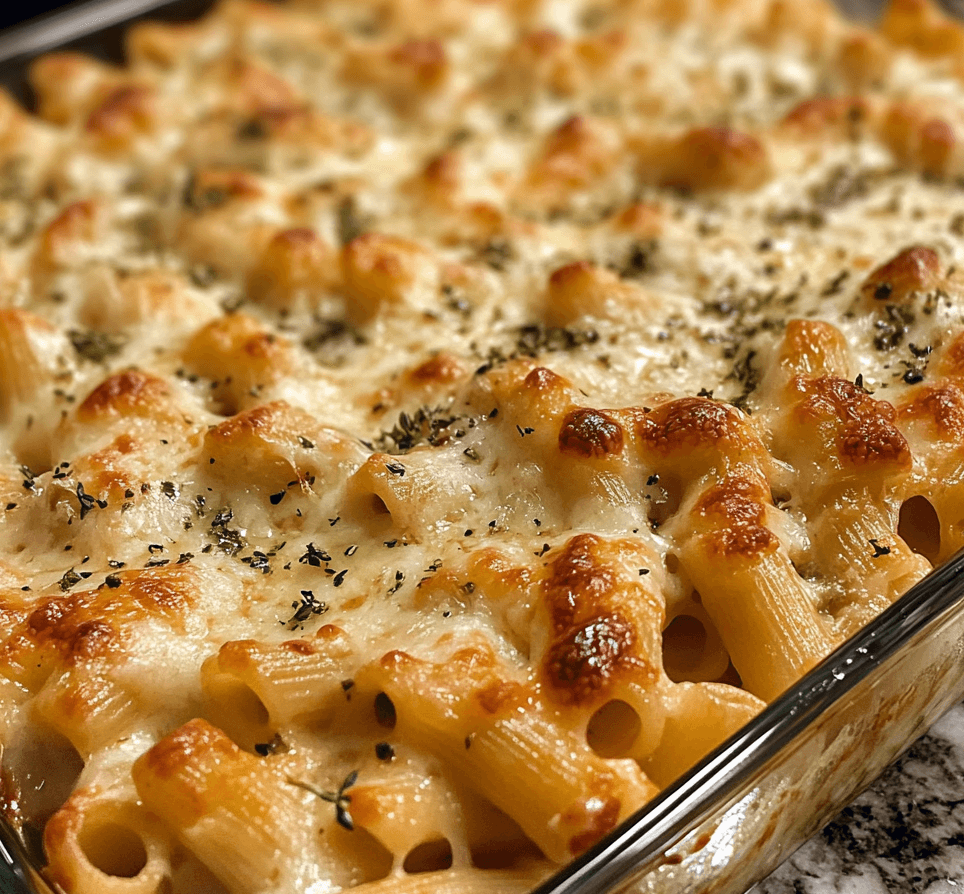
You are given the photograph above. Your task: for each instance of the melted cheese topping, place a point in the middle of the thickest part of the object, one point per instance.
(439, 423)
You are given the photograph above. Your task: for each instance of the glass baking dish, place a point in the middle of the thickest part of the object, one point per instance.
(743, 809)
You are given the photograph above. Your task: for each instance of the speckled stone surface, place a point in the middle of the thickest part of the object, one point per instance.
(904, 834)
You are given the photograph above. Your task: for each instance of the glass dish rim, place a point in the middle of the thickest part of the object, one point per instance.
(710, 784)
(53, 30)
(675, 811)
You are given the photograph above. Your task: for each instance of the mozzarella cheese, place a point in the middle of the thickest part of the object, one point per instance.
(427, 427)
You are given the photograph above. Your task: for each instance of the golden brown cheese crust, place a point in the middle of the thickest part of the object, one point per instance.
(482, 397)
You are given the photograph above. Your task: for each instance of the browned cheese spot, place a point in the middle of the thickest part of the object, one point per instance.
(864, 58)
(165, 591)
(297, 239)
(865, 430)
(711, 158)
(830, 397)
(212, 187)
(915, 269)
(89, 624)
(533, 59)
(590, 433)
(814, 348)
(952, 359)
(541, 43)
(262, 421)
(597, 822)
(424, 60)
(256, 90)
(66, 83)
(377, 269)
(12, 613)
(874, 440)
(61, 624)
(444, 368)
(260, 346)
(501, 696)
(441, 178)
(131, 392)
(159, 43)
(397, 659)
(688, 423)
(76, 220)
(543, 380)
(124, 113)
(819, 114)
(943, 405)
(575, 152)
(443, 170)
(78, 223)
(920, 25)
(470, 674)
(582, 288)
(593, 640)
(642, 219)
(919, 139)
(293, 260)
(196, 737)
(583, 662)
(220, 349)
(937, 143)
(577, 580)
(738, 504)
(299, 647)
(577, 275)
(502, 577)
(105, 471)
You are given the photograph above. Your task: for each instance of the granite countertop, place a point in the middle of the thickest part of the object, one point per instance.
(904, 834)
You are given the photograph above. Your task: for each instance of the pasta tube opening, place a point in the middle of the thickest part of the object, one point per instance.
(384, 709)
(237, 709)
(692, 648)
(613, 729)
(114, 849)
(101, 842)
(920, 527)
(429, 856)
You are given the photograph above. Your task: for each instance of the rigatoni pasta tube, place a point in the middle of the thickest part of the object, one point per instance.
(700, 716)
(596, 633)
(102, 842)
(497, 738)
(87, 707)
(759, 604)
(241, 819)
(294, 679)
(856, 542)
(406, 810)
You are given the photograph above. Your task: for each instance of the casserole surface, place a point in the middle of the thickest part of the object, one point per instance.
(372, 381)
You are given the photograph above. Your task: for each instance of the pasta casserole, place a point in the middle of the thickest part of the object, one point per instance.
(429, 427)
